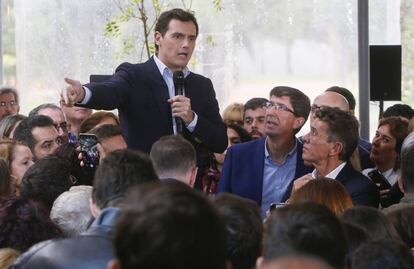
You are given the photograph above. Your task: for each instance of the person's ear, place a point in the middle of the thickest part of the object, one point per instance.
(259, 262)
(101, 150)
(114, 264)
(299, 121)
(193, 176)
(337, 149)
(95, 210)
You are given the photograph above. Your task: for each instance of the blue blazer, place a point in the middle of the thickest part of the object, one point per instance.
(140, 94)
(243, 168)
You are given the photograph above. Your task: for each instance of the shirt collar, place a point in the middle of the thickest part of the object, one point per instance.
(162, 67)
(291, 153)
(333, 174)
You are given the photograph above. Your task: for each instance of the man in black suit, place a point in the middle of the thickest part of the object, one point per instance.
(328, 146)
(144, 94)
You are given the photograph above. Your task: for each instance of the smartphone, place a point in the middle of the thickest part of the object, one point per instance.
(379, 179)
(88, 146)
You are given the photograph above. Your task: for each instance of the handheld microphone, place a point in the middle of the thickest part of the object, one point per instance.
(178, 78)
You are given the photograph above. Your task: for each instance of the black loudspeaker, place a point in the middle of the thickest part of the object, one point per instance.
(99, 78)
(385, 72)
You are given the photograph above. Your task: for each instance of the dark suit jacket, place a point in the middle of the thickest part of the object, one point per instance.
(362, 190)
(140, 94)
(243, 168)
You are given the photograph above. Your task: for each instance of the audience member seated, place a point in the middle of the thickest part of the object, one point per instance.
(403, 221)
(58, 117)
(233, 114)
(325, 191)
(295, 262)
(399, 110)
(263, 169)
(169, 225)
(74, 116)
(374, 223)
(9, 102)
(7, 257)
(18, 158)
(109, 139)
(7, 185)
(174, 157)
(23, 224)
(383, 254)
(385, 153)
(244, 229)
(254, 117)
(71, 211)
(307, 229)
(118, 172)
(45, 180)
(328, 146)
(97, 119)
(8, 124)
(39, 134)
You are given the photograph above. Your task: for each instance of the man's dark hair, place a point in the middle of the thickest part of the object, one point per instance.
(96, 118)
(46, 179)
(23, 131)
(106, 131)
(172, 155)
(300, 102)
(120, 170)
(169, 225)
(347, 94)
(399, 110)
(342, 126)
(255, 103)
(244, 229)
(383, 254)
(305, 228)
(35, 111)
(407, 167)
(164, 19)
(7, 89)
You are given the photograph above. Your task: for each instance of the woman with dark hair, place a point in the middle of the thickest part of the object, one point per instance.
(23, 224)
(8, 124)
(97, 119)
(7, 187)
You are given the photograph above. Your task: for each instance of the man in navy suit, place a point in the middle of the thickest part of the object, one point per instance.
(263, 169)
(144, 94)
(328, 146)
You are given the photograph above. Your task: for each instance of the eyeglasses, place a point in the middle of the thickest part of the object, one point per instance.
(316, 108)
(278, 106)
(64, 126)
(11, 103)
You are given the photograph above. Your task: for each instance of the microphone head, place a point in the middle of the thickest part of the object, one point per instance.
(178, 77)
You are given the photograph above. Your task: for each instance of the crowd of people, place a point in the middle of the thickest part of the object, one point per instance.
(177, 185)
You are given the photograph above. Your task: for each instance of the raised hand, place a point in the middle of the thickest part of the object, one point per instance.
(73, 93)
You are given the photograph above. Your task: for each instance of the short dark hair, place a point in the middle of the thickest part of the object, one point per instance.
(347, 94)
(173, 155)
(23, 132)
(164, 19)
(244, 229)
(300, 102)
(90, 122)
(342, 126)
(383, 254)
(106, 131)
(8, 89)
(305, 228)
(35, 111)
(120, 170)
(23, 224)
(46, 179)
(255, 103)
(169, 225)
(399, 110)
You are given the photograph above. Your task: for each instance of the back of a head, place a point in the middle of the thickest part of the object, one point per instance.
(307, 229)
(46, 179)
(372, 221)
(106, 131)
(403, 221)
(406, 164)
(71, 210)
(95, 119)
(173, 157)
(169, 225)
(383, 254)
(119, 171)
(325, 191)
(244, 229)
(399, 110)
(296, 262)
(345, 93)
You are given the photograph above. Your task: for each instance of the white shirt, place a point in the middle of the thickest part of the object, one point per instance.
(333, 174)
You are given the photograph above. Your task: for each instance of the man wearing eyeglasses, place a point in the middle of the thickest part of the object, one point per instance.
(264, 169)
(56, 114)
(9, 102)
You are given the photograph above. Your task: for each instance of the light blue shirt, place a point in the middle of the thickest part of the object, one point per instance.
(277, 177)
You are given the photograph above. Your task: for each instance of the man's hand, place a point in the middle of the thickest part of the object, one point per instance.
(181, 108)
(73, 93)
(300, 182)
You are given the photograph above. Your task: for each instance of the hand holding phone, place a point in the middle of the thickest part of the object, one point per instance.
(88, 147)
(379, 179)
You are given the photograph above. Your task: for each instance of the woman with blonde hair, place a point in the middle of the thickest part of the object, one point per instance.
(325, 191)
